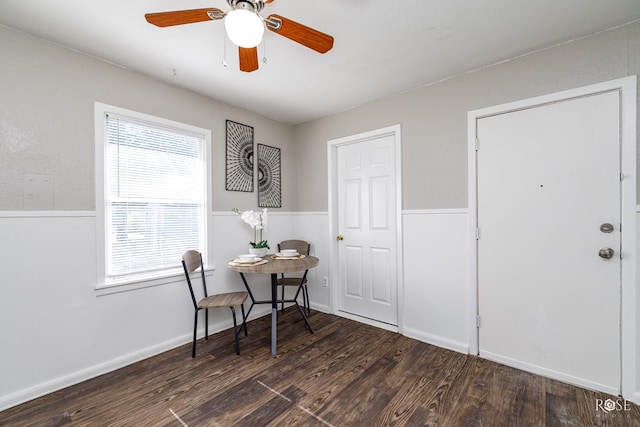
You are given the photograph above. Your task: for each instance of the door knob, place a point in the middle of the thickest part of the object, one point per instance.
(606, 253)
(339, 237)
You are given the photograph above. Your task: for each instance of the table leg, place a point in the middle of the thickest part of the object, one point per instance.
(274, 315)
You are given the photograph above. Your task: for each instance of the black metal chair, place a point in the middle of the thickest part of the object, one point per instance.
(303, 248)
(191, 261)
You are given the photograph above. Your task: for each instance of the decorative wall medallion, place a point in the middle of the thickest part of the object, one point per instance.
(239, 160)
(269, 177)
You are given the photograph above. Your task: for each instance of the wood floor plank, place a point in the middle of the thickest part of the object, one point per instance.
(416, 375)
(298, 417)
(441, 370)
(329, 377)
(362, 396)
(233, 404)
(528, 398)
(406, 401)
(483, 396)
(423, 417)
(276, 406)
(345, 374)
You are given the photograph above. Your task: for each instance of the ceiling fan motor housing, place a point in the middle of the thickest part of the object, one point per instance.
(250, 5)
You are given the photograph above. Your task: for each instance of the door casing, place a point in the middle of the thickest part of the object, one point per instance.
(332, 163)
(629, 303)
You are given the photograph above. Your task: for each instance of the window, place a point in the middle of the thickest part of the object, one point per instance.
(154, 193)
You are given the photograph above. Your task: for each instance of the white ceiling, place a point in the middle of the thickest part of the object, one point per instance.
(382, 47)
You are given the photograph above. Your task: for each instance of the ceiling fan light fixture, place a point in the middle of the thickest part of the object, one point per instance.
(244, 28)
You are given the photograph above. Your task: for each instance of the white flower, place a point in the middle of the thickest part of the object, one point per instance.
(250, 218)
(258, 222)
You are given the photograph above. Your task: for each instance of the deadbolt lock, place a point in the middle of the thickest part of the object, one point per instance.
(606, 228)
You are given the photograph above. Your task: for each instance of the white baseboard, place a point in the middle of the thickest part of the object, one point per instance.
(538, 370)
(460, 347)
(81, 375)
(452, 211)
(76, 377)
(367, 321)
(320, 307)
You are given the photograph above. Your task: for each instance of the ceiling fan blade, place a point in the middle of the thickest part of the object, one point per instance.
(306, 36)
(248, 58)
(179, 17)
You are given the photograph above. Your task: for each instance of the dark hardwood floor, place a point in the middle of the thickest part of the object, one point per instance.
(346, 374)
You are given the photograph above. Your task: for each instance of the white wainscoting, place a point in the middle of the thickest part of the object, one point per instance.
(434, 308)
(435, 277)
(58, 330)
(313, 227)
(62, 331)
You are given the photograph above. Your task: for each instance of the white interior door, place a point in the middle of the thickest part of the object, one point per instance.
(367, 266)
(548, 178)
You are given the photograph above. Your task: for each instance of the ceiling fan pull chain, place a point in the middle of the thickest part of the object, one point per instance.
(224, 49)
(264, 50)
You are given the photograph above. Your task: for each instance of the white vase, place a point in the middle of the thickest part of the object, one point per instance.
(261, 252)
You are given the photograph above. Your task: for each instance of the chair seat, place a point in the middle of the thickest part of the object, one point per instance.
(290, 281)
(230, 299)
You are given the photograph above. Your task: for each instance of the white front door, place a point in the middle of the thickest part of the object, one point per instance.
(367, 253)
(548, 192)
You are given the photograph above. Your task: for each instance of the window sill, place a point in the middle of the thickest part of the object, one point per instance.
(132, 284)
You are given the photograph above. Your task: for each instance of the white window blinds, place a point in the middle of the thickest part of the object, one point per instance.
(155, 196)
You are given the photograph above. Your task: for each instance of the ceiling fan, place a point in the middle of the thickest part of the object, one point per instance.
(245, 27)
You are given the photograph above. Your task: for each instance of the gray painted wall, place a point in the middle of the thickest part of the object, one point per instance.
(434, 118)
(46, 120)
(47, 96)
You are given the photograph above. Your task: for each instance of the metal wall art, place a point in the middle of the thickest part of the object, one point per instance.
(239, 157)
(269, 177)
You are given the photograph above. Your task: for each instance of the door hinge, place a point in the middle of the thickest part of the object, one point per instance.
(477, 144)
(478, 321)
(621, 176)
(477, 233)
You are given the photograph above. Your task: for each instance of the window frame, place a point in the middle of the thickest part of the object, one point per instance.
(103, 284)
